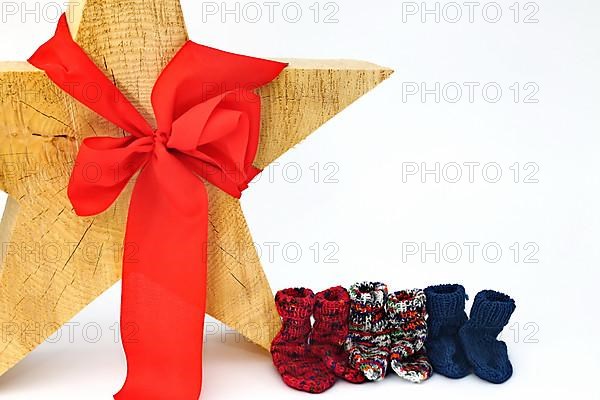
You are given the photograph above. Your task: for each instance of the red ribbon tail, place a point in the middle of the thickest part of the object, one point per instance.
(164, 292)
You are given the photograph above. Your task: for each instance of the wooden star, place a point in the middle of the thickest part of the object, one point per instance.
(53, 262)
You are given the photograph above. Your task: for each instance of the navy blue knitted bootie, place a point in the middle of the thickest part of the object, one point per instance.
(446, 309)
(490, 313)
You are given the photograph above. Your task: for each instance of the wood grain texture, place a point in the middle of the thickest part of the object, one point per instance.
(54, 263)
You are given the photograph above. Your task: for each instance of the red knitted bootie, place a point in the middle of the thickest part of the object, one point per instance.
(332, 307)
(299, 367)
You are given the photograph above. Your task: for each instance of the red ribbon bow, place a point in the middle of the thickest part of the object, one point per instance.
(208, 122)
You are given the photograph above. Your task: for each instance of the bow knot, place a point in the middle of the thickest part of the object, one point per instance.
(160, 137)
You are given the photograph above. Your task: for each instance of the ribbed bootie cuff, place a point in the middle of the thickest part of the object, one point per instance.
(332, 302)
(367, 307)
(295, 303)
(401, 301)
(492, 309)
(369, 294)
(445, 301)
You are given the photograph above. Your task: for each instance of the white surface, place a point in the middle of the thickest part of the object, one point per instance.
(370, 212)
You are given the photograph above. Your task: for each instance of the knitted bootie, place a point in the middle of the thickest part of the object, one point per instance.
(446, 309)
(332, 308)
(490, 313)
(298, 366)
(406, 315)
(368, 343)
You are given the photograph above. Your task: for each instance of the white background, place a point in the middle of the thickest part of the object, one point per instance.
(371, 211)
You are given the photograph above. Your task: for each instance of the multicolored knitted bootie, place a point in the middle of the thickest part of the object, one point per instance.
(368, 342)
(446, 309)
(332, 308)
(298, 366)
(490, 313)
(406, 315)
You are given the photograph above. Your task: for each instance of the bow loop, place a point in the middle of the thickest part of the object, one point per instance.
(103, 167)
(63, 60)
(216, 137)
(214, 72)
